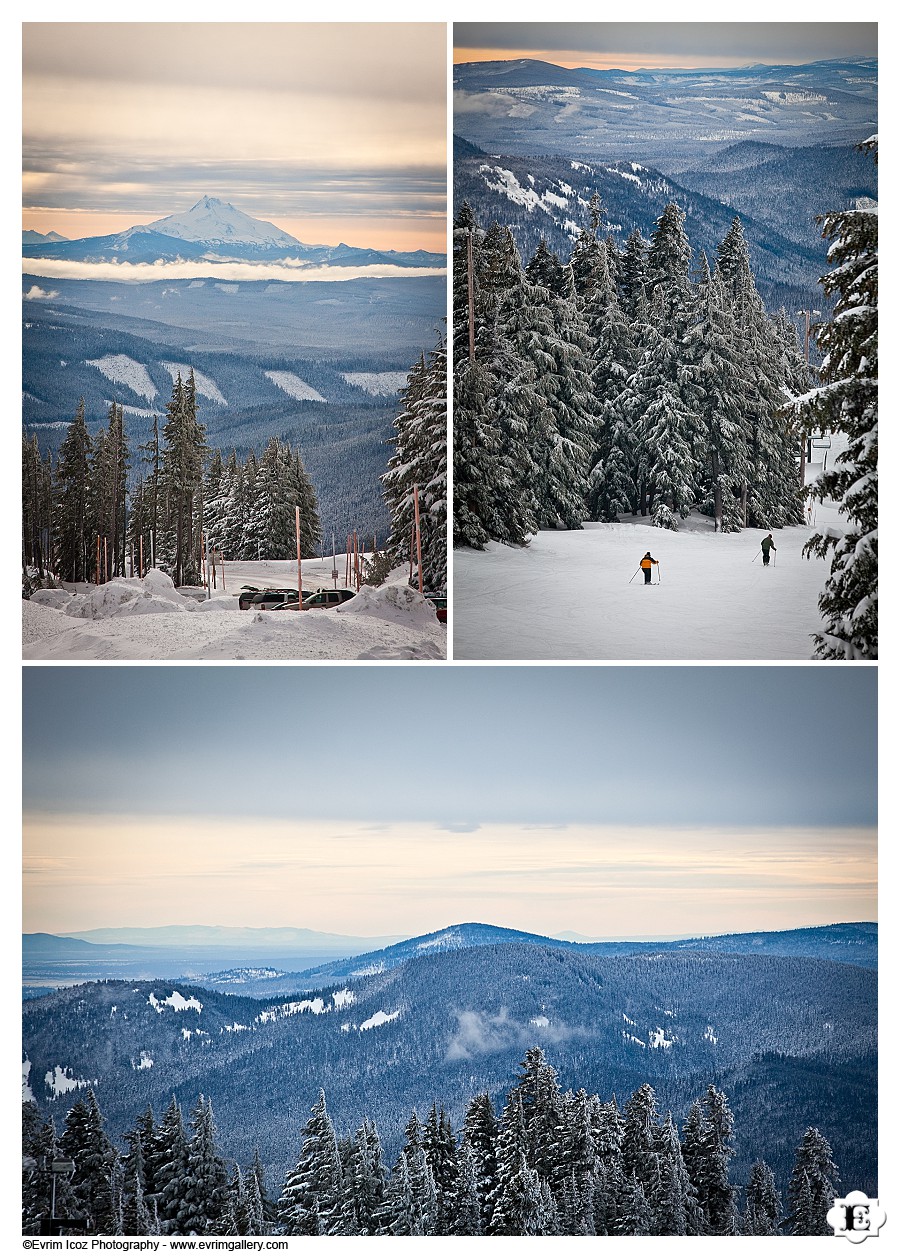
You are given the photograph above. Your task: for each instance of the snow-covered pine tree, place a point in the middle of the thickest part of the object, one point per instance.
(813, 1186)
(311, 1197)
(37, 513)
(641, 1141)
(493, 405)
(590, 264)
(365, 1178)
(612, 490)
(181, 476)
(847, 402)
(420, 460)
(467, 1219)
(669, 272)
(553, 336)
(171, 1158)
(632, 278)
(762, 1211)
(135, 1215)
(72, 525)
(716, 387)
(205, 1187)
(86, 1143)
(108, 481)
(707, 1154)
(439, 1145)
(773, 491)
(480, 1131)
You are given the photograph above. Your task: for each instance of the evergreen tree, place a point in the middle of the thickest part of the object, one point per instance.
(813, 1186)
(310, 1201)
(85, 1142)
(204, 1191)
(181, 477)
(762, 1213)
(847, 402)
(72, 526)
(419, 464)
(37, 515)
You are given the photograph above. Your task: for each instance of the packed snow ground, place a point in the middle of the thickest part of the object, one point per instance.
(566, 596)
(133, 619)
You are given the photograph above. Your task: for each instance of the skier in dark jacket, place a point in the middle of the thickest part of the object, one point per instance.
(647, 567)
(767, 545)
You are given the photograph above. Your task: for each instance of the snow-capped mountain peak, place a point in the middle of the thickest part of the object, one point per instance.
(215, 222)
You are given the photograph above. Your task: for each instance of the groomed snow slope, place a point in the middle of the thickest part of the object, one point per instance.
(566, 596)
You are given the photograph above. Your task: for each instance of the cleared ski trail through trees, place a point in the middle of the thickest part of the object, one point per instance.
(566, 596)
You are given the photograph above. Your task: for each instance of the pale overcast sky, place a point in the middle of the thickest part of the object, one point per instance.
(636, 45)
(335, 132)
(608, 801)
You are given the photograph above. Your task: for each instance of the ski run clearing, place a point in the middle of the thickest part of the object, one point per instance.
(566, 596)
(134, 619)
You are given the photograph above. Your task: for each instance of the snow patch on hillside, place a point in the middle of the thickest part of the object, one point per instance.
(292, 1007)
(294, 387)
(376, 968)
(145, 1063)
(343, 998)
(377, 383)
(124, 370)
(204, 386)
(449, 939)
(658, 1039)
(27, 1094)
(378, 1019)
(175, 1001)
(59, 1080)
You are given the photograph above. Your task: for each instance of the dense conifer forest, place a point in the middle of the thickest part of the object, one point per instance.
(551, 1163)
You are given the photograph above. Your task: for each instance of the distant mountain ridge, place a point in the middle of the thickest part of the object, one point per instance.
(215, 231)
(854, 943)
(663, 117)
(547, 198)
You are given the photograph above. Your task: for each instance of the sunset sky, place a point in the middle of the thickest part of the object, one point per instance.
(334, 132)
(659, 45)
(604, 801)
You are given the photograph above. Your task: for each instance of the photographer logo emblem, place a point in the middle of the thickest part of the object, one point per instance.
(856, 1216)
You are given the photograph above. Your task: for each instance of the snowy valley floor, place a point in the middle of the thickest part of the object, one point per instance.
(566, 596)
(149, 620)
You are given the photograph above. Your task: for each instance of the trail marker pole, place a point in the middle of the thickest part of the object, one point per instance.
(418, 537)
(300, 607)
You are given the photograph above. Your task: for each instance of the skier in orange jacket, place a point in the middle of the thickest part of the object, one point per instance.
(647, 566)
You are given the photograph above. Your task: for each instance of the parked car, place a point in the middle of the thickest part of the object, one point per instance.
(265, 600)
(327, 599)
(440, 606)
(322, 599)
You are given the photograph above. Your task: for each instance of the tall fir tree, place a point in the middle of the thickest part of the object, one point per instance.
(846, 402)
(813, 1186)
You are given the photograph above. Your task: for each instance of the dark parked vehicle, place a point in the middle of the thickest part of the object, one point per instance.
(440, 606)
(265, 600)
(322, 599)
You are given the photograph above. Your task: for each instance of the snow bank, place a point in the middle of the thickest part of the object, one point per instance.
(130, 596)
(40, 622)
(51, 598)
(398, 603)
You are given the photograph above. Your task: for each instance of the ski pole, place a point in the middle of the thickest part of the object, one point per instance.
(756, 556)
(658, 575)
(636, 571)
